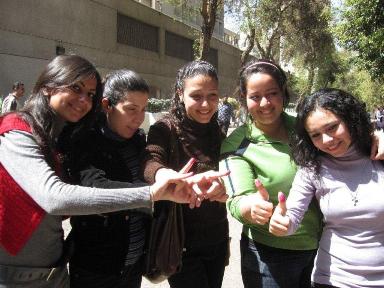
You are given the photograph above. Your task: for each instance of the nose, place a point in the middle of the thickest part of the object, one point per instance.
(327, 138)
(264, 101)
(140, 118)
(83, 97)
(204, 102)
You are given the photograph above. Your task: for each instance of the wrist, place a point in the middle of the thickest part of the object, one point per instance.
(152, 193)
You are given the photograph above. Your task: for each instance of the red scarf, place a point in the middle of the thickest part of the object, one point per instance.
(20, 215)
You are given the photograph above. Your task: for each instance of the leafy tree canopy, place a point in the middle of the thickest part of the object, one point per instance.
(362, 30)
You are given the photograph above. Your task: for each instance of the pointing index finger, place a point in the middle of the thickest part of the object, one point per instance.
(188, 166)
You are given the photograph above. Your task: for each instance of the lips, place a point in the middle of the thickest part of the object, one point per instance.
(78, 111)
(266, 112)
(333, 146)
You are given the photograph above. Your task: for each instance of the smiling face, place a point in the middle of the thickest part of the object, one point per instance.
(127, 115)
(264, 99)
(328, 132)
(74, 102)
(200, 97)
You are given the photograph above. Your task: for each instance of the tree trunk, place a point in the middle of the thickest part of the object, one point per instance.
(208, 12)
(311, 79)
(250, 45)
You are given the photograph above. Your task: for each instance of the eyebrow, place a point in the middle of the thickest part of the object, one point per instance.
(82, 84)
(325, 126)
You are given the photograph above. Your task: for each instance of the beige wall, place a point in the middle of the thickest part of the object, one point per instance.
(30, 31)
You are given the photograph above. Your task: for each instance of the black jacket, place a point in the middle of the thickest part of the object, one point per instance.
(102, 159)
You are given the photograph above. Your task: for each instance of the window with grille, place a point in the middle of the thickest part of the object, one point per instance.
(178, 46)
(137, 34)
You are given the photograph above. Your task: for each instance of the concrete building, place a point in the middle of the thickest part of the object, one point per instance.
(112, 34)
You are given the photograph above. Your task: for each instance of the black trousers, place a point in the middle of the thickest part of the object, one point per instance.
(129, 277)
(203, 267)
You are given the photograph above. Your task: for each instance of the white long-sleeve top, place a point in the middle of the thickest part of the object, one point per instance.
(351, 249)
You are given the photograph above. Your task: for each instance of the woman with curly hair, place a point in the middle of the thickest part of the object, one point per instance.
(192, 130)
(332, 148)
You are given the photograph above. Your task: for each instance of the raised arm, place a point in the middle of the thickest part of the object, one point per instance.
(246, 203)
(22, 158)
(286, 220)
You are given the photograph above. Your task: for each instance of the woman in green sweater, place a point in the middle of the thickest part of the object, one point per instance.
(260, 150)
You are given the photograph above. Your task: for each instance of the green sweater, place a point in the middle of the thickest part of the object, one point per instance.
(249, 154)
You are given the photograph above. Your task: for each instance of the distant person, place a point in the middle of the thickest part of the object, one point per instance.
(379, 118)
(225, 114)
(11, 102)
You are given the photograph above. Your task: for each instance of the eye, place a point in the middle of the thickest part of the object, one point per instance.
(273, 94)
(213, 96)
(91, 95)
(333, 127)
(255, 98)
(75, 88)
(196, 97)
(314, 136)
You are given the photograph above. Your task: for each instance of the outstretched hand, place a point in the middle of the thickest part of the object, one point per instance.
(207, 185)
(172, 188)
(279, 223)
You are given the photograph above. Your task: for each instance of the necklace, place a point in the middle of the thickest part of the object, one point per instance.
(354, 194)
(354, 197)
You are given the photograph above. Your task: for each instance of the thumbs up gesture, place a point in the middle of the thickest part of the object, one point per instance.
(279, 223)
(260, 208)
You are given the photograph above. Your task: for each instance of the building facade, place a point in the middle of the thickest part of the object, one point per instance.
(113, 34)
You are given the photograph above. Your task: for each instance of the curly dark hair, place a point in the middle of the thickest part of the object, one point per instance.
(348, 108)
(262, 66)
(178, 113)
(189, 70)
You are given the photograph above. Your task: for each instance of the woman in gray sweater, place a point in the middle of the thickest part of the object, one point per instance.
(332, 148)
(33, 197)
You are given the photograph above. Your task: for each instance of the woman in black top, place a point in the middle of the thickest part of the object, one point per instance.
(108, 248)
(192, 130)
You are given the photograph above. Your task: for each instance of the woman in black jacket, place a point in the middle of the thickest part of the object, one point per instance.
(108, 248)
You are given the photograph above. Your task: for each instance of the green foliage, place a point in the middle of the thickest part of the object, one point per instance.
(235, 104)
(158, 105)
(362, 30)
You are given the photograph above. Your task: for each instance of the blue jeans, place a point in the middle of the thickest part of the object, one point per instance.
(268, 267)
(203, 267)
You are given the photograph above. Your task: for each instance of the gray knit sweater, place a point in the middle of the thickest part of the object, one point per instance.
(351, 249)
(22, 158)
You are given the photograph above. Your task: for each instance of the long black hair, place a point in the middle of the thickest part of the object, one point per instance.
(189, 70)
(348, 108)
(63, 71)
(182, 123)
